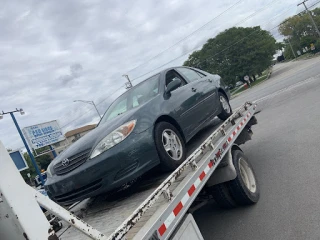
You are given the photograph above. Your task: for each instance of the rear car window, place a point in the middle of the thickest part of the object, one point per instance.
(190, 74)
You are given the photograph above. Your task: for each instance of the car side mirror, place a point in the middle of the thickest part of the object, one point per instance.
(173, 85)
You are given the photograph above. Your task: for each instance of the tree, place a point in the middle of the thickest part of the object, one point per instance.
(236, 52)
(42, 161)
(300, 25)
(300, 31)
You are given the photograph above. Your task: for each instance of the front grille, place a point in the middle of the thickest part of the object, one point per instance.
(74, 162)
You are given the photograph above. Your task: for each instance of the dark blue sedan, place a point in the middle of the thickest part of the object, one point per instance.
(146, 126)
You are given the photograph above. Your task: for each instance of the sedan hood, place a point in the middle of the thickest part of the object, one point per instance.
(92, 138)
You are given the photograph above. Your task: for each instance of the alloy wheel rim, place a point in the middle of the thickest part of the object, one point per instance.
(225, 104)
(247, 175)
(172, 144)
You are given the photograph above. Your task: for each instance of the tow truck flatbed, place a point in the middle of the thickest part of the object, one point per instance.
(156, 206)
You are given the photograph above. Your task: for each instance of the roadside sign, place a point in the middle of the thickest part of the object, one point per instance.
(246, 78)
(43, 134)
(19, 160)
(298, 52)
(312, 47)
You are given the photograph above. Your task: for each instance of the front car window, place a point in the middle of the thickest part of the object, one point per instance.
(134, 97)
(190, 74)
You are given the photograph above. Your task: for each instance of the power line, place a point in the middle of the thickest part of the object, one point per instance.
(255, 13)
(181, 40)
(314, 4)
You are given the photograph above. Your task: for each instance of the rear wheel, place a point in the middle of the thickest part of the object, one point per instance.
(221, 196)
(244, 189)
(226, 109)
(170, 146)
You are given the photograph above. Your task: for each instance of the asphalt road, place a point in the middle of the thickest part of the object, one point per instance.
(284, 154)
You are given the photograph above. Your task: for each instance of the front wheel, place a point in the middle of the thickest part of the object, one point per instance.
(226, 110)
(170, 146)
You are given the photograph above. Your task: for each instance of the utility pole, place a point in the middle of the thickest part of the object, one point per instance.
(23, 139)
(311, 18)
(292, 48)
(91, 103)
(129, 83)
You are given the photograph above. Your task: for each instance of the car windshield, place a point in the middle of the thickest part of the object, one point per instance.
(135, 97)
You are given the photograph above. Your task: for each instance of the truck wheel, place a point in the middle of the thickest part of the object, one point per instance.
(244, 189)
(221, 196)
(170, 145)
(226, 109)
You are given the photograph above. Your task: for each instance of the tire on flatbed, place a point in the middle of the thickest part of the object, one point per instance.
(244, 189)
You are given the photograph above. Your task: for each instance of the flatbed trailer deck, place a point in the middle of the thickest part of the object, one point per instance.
(158, 205)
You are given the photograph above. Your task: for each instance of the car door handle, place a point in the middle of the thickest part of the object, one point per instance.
(193, 89)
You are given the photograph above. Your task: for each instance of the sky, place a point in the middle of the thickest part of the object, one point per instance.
(55, 52)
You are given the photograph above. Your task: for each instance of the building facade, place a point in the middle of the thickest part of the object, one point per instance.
(71, 137)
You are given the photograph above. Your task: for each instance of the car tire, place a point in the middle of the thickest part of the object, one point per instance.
(244, 189)
(170, 146)
(221, 195)
(226, 110)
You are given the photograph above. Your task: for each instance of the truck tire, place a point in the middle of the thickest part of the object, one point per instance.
(170, 146)
(221, 196)
(244, 189)
(226, 110)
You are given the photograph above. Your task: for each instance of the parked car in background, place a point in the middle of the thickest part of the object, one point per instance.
(146, 126)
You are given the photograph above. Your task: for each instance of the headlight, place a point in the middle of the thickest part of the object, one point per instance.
(113, 138)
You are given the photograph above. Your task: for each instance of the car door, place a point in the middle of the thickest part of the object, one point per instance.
(205, 86)
(210, 85)
(181, 103)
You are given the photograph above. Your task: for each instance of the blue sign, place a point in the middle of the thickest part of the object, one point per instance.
(43, 134)
(19, 160)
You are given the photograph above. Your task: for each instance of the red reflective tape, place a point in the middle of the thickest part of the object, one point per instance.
(191, 190)
(177, 209)
(218, 154)
(241, 124)
(162, 229)
(229, 139)
(210, 164)
(234, 133)
(238, 127)
(225, 145)
(202, 175)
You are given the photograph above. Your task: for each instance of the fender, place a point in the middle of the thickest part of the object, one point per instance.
(225, 171)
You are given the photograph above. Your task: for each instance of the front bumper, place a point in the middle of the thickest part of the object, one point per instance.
(120, 164)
